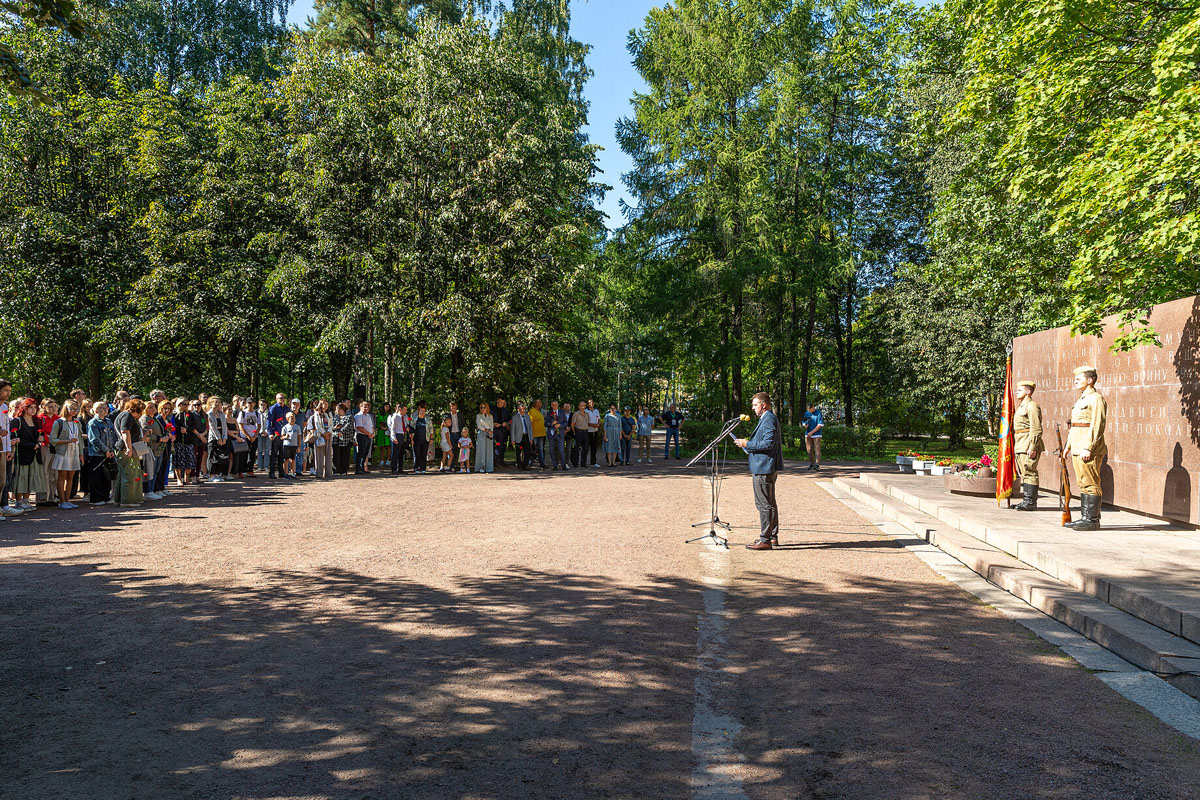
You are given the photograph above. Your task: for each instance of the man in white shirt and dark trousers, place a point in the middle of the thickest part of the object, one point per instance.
(364, 438)
(594, 432)
(399, 429)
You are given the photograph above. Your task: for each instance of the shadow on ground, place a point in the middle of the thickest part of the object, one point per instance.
(525, 684)
(333, 684)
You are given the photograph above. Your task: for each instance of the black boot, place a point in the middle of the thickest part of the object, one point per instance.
(1089, 513)
(1030, 493)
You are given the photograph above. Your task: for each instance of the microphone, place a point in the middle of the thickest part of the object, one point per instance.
(744, 418)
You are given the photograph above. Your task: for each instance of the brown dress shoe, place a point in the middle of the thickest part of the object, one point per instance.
(761, 544)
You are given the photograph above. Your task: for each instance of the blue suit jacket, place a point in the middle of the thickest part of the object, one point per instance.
(765, 445)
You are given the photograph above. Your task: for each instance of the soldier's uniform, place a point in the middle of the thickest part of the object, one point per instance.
(1027, 438)
(1088, 416)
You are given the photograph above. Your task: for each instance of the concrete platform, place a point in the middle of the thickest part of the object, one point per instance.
(1131, 587)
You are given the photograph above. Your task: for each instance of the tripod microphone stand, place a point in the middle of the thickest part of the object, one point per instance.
(714, 461)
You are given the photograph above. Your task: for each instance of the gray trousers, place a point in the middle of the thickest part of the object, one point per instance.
(323, 457)
(764, 501)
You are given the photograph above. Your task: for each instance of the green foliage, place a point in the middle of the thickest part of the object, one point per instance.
(61, 15)
(839, 442)
(1095, 106)
(446, 226)
(351, 224)
(771, 196)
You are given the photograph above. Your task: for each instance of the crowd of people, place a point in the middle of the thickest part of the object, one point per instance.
(132, 449)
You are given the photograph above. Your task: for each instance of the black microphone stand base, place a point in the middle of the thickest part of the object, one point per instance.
(713, 536)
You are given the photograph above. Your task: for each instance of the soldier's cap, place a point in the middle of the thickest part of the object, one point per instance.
(1084, 368)
(1030, 384)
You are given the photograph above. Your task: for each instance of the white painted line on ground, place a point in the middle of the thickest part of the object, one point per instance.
(1178, 709)
(715, 774)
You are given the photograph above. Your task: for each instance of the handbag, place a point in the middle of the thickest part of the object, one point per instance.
(55, 433)
(240, 446)
(109, 465)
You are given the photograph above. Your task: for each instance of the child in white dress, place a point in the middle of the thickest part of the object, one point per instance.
(444, 445)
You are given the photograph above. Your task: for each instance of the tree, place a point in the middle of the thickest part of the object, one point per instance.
(447, 225)
(61, 15)
(1097, 105)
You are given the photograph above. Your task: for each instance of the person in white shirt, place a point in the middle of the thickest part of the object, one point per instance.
(595, 435)
(399, 429)
(320, 430)
(6, 452)
(290, 434)
(364, 438)
(249, 424)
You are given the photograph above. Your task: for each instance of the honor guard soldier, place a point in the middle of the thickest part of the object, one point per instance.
(1027, 444)
(1085, 445)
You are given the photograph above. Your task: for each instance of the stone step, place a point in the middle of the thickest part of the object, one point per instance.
(1141, 643)
(1175, 610)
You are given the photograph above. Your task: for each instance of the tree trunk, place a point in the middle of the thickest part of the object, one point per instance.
(229, 368)
(370, 395)
(94, 375)
(793, 330)
(957, 419)
(806, 356)
(848, 375)
(457, 362)
(339, 370)
(724, 361)
(387, 373)
(843, 344)
(738, 304)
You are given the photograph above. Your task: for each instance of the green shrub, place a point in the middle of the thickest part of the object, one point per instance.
(839, 442)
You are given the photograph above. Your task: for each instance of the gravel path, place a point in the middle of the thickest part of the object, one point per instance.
(528, 637)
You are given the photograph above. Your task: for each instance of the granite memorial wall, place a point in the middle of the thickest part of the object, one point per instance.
(1153, 395)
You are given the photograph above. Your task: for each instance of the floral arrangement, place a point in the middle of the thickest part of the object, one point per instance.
(970, 470)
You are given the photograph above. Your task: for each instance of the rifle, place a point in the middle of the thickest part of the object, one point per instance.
(1064, 477)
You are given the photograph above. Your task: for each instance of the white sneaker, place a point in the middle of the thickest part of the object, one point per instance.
(11, 511)
(639, 461)
(649, 461)
(25, 505)
(100, 503)
(153, 496)
(67, 504)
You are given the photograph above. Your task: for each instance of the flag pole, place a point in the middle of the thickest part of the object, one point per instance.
(1006, 463)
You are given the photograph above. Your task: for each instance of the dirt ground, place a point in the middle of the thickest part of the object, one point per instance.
(531, 636)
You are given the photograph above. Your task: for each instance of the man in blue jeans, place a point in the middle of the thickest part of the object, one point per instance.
(814, 423)
(765, 448)
(674, 422)
(276, 419)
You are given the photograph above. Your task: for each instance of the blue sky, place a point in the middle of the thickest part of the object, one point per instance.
(604, 24)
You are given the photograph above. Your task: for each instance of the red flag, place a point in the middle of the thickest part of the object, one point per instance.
(1006, 464)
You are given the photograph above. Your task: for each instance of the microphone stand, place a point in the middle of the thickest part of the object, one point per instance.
(713, 462)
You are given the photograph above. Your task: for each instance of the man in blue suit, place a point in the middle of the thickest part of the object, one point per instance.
(765, 447)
